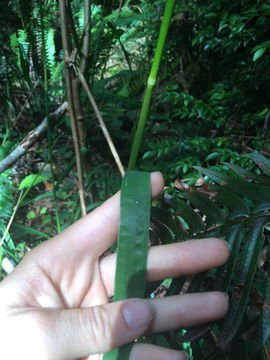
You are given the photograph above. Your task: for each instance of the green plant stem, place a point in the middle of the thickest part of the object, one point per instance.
(151, 83)
(46, 91)
(11, 219)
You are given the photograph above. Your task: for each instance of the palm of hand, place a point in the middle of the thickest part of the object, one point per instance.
(50, 296)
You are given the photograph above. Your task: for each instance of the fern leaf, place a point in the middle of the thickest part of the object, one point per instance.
(247, 174)
(264, 321)
(166, 217)
(253, 191)
(227, 197)
(234, 239)
(244, 279)
(261, 161)
(193, 219)
(213, 213)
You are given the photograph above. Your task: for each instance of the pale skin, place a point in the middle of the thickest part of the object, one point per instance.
(54, 306)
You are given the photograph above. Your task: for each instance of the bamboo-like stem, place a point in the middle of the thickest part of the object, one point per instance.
(73, 29)
(151, 83)
(102, 123)
(68, 71)
(86, 38)
(46, 91)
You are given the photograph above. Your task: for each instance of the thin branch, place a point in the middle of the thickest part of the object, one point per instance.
(102, 123)
(31, 137)
(69, 79)
(121, 4)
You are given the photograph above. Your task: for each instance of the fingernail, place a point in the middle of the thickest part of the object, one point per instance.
(157, 172)
(137, 314)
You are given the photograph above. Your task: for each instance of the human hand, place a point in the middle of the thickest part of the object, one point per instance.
(54, 306)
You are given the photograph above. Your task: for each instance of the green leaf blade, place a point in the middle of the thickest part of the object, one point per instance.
(132, 250)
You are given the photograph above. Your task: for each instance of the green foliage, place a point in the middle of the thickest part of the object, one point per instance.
(233, 206)
(210, 108)
(32, 180)
(6, 195)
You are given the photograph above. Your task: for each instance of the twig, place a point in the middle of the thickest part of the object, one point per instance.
(102, 123)
(31, 137)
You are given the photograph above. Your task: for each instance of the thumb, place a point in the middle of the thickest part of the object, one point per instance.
(86, 331)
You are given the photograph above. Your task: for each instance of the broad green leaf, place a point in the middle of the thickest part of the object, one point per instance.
(32, 179)
(31, 215)
(211, 156)
(258, 54)
(132, 249)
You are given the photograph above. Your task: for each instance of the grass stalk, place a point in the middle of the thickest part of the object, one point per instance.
(11, 219)
(168, 11)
